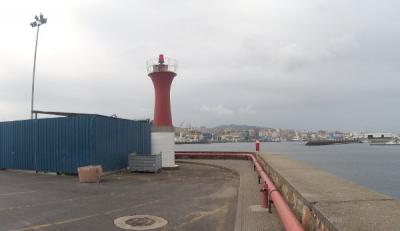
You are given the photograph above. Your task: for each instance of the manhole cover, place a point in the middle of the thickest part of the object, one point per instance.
(145, 221)
(140, 222)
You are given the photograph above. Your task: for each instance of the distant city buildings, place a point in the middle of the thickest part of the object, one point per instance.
(238, 133)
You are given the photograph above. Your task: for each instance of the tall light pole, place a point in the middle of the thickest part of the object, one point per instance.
(37, 23)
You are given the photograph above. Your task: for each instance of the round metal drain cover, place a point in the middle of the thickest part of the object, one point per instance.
(140, 222)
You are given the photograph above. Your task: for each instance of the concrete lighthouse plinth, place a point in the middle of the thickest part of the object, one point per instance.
(162, 72)
(164, 143)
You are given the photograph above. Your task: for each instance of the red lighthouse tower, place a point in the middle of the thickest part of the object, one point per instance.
(162, 72)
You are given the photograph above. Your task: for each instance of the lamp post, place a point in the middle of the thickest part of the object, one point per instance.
(37, 23)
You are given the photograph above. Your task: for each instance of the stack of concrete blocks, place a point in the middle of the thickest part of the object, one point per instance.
(144, 163)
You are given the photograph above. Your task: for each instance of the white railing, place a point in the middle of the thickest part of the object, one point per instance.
(153, 65)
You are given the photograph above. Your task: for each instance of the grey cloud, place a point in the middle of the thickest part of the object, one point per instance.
(309, 65)
(292, 57)
(217, 110)
(248, 109)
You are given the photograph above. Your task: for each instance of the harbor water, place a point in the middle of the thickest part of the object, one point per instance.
(375, 167)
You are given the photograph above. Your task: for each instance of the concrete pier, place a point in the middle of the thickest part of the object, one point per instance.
(249, 213)
(195, 197)
(323, 201)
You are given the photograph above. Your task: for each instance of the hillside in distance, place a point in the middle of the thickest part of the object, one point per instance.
(238, 127)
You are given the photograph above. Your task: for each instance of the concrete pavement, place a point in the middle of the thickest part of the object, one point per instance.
(249, 215)
(327, 202)
(195, 197)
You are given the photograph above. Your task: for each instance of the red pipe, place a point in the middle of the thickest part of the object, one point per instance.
(286, 215)
(214, 152)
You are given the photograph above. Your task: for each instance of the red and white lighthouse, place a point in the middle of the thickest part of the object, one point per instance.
(162, 72)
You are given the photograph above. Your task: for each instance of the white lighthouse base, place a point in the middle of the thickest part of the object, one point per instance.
(163, 142)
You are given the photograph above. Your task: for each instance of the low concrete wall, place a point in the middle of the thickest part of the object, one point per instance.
(323, 201)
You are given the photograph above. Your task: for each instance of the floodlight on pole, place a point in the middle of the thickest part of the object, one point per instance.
(37, 23)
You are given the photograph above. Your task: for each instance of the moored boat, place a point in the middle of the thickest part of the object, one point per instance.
(383, 139)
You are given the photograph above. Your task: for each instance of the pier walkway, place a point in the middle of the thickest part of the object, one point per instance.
(200, 195)
(249, 214)
(327, 202)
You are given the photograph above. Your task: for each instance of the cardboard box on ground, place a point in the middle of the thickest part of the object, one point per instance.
(90, 174)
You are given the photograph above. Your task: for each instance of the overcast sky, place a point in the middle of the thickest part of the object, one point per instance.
(308, 64)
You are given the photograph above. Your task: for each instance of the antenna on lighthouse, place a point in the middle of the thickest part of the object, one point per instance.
(161, 59)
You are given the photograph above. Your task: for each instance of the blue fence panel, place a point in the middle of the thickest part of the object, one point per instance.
(66, 143)
(7, 145)
(16, 143)
(116, 138)
(24, 143)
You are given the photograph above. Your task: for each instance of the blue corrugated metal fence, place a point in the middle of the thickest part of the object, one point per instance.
(65, 143)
